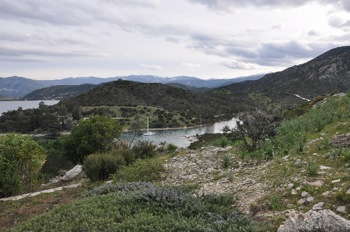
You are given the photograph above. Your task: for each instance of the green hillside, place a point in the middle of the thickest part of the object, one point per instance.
(194, 107)
(58, 92)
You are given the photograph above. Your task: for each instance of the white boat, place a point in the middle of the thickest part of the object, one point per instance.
(148, 133)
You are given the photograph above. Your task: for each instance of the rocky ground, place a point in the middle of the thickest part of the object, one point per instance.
(268, 190)
(207, 170)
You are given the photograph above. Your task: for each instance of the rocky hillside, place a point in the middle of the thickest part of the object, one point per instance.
(327, 74)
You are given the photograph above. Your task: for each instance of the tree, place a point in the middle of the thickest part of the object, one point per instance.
(21, 158)
(95, 134)
(253, 127)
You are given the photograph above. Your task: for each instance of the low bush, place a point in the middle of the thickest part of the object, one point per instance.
(171, 148)
(55, 160)
(142, 170)
(312, 168)
(144, 149)
(144, 207)
(100, 166)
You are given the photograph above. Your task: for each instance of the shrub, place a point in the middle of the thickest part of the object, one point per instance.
(55, 160)
(144, 207)
(142, 170)
(122, 148)
(171, 148)
(20, 161)
(222, 142)
(95, 134)
(144, 149)
(312, 168)
(346, 155)
(100, 166)
(225, 161)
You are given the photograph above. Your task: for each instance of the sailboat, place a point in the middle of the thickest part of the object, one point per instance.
(148, 133)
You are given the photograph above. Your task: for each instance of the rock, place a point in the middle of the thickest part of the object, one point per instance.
(301, 202)
(294, 192)
(290, 186)
(62, 172)
(298, 162)
(325, 167)
(321, 221)
(316, 183)
(348, 192)
(305, 194)
(310, 199)
(341, 209)
(318, 206)
(335, 181)
(326, 194)
(342, 140)
(71, 174)
(289, 206)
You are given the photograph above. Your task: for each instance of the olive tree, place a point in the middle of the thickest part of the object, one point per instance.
(21, 159)
(253, 127)
(95, 134)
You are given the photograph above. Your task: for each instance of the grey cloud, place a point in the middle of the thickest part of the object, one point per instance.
(265, 54)
(16, 54)
(61, 12)
(229, 5)
(152, 67)
(13, 36)
(338, 22)
(134, 3)
(232, 64)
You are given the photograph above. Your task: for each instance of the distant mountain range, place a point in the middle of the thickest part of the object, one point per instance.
(20, 86)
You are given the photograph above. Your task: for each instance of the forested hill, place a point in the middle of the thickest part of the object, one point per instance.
(58, 92)
(173, 99)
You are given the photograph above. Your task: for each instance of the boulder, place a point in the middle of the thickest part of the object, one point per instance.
(71, 174)
(321, 221)
(341, 141)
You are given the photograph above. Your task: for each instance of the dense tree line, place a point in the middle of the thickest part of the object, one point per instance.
(45, 119)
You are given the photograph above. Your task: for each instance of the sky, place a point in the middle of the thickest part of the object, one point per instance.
(45, 40)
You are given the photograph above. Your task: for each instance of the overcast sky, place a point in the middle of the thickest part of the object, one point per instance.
(44, 39)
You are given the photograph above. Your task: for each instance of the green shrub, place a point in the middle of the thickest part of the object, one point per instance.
(144, 149)
(312, 168)
(346, 155)
(100, 166)
(273, 202)
(222, 142)
(226, 161)
(95, 134)
(20, 161)
(343, 197)
(171, 148)
(55, 160)
(142, 170)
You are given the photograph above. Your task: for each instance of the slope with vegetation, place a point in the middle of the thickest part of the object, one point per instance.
(195, 108)
(58, 92)
(324, 75)
(302, 164)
